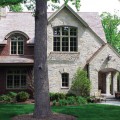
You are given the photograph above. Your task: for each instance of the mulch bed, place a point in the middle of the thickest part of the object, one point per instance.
(55, 116)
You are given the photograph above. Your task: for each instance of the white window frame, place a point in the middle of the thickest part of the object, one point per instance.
(22, 40)
(67, 87)
(13, 74)
(68, 36)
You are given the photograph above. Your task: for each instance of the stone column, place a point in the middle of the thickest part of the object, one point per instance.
(115, 74)
(108, 81)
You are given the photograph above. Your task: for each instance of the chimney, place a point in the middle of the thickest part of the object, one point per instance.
(3, 12)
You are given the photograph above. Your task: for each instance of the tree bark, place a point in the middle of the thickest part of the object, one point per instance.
(42, 100)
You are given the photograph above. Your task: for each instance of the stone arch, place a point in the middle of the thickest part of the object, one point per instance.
(16, 32)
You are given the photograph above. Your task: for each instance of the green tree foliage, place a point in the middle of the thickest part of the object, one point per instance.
(110, 24)
(81, 84)
(9, 2)
(14, 5)
(16, 8)
(30, 4)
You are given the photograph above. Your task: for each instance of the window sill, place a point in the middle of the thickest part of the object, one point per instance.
(64, 87)
(16, 88)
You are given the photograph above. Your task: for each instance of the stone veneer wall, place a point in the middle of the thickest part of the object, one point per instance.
(100, 62)
(59, 62)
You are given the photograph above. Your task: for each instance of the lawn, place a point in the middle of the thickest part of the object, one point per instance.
(83, 112)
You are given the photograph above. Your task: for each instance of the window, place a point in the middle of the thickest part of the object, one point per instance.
(16, 79)
(65, 80)
(17, 45)
(65, 39)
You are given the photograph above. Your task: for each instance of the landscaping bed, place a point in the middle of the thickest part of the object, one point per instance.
(54, 116)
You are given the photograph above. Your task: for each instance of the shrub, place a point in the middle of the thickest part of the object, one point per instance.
(12, 94)
(62, 102)
(70, 95)
(56, 96)
(81, 84)
(91, 99)
(71, 100)
(5, 98)
(54, 103)
(80, 100)
(22, 96)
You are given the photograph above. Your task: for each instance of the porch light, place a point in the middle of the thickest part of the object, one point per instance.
(109, 57)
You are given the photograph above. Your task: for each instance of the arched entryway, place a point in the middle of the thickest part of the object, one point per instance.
(107, 81)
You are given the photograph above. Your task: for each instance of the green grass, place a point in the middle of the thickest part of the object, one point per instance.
(83, 112)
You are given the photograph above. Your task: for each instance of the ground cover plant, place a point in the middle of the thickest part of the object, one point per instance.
(83, 112)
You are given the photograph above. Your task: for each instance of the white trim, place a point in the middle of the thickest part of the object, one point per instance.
(67, 36)
(65, 87)
(17, 45)
(13, 87)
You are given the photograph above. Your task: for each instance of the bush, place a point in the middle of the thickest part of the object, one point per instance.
(71, 100)
(22, 96)
(54, 103)
(80, 100)
(70, 95)
(5, 98)
(56, 96)
(81, 84)
(12, 95)
(91, 99)
(62, 102)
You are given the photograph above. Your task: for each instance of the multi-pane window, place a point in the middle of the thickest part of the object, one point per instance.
(17, 45)
(65, 80)
(65, 39)
(16, 79)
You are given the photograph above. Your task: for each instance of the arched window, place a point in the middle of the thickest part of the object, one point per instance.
(65, 39)
(65, 80)
(17, 44)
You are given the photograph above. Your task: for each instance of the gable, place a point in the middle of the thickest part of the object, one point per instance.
(101, 58)
(66, 18)
(70, 10)
(90, 20)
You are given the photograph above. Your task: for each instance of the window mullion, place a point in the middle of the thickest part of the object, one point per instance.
(60, 38)
(13, 80)
(69, 39)
(20, 80)
(17, 47)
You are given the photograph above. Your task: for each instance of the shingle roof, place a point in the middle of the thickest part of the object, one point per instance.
(24, 21)
(94, 22)
(16, 59)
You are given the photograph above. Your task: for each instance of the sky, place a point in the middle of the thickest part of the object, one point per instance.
(99, 6)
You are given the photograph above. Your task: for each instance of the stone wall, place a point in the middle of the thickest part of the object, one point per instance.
(101, 62)
(60, 62)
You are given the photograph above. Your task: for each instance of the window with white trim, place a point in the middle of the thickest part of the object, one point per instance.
(65, 39)
(65, 80)
(17, 45)
(16, 79)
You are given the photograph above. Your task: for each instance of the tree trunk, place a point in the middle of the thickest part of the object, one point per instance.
(42, 100)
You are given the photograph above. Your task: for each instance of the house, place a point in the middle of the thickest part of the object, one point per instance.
(74, 40)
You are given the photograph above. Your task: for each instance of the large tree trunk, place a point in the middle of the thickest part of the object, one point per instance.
(42, 101)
